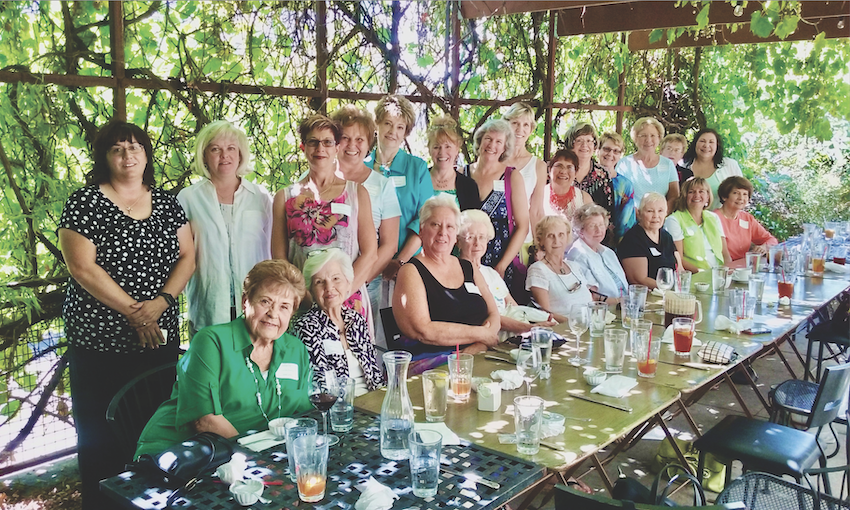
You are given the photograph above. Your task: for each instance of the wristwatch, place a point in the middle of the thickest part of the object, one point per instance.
(168, 298)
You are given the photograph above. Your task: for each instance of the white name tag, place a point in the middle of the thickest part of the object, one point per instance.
(689, 232)
(373, 191)
(399, 181)
(287, 371)
(744, 224)
(343, 209)
(471, 288)
(333, 347)
(654, 252)
(499, 186)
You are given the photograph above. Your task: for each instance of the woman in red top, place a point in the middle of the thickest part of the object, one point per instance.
(743, 232)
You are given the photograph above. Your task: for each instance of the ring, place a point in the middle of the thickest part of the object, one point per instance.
(144, 324)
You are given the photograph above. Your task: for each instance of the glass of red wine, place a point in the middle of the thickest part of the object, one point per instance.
(323, 395)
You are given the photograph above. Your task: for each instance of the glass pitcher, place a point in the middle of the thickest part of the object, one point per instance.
(397, 410)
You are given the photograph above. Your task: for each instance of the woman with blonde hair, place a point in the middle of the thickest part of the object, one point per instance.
(533, 169)
(444, 145)
(697, 233)
(645, 168)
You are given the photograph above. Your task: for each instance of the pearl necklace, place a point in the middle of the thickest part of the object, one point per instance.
(259, 395)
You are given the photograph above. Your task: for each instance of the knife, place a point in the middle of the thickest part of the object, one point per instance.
(609, 404)
(686, 365)
(497, 358)
(472, 477)
(552, 446)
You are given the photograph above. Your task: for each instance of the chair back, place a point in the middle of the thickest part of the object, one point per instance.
(135, 403)
(763, 491)
(567, 498)
(831, 391)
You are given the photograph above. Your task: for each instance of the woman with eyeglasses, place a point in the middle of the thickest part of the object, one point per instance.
(562, 196)
(556, 284)
(324, 210)
(590, 176)
(623, 217)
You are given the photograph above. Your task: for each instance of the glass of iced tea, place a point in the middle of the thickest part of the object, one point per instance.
(460, 376)
(683, 335)
(786, 289)
(646, 349)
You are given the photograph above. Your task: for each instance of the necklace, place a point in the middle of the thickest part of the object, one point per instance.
(442, 183)
(259, 395)
(559, 269)
(128, 208)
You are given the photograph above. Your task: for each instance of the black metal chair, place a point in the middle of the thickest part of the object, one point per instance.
(763, 491)
(571, 499)
(835, 331)
(135, 403)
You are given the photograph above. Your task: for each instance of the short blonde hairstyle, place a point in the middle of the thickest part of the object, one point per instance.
(681, 203)
(276, 272)
(349, 115)
(443, 128)
(221, 129)
(547, 224)
(495, 126)
(673, 138)
(396, 106)
(642, 123)
(651, 198)
(435, 202)
(615, 138)
(517, 110)
(471, 217)
(318, 259)
(588, 211)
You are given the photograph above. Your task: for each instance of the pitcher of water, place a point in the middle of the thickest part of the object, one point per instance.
(397, 410)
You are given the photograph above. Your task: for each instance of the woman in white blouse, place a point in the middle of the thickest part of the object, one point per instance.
(231, 220)
(602, 263)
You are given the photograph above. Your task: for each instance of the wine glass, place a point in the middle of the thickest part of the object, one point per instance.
(579, 320)
(323, 395)
(528, 362)
(664, 280)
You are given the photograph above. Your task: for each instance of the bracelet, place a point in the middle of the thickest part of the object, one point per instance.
(401, 262)
(168, 298)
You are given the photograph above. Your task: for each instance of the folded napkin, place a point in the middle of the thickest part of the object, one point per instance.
(667, 338)
(616, 386)
(657, 292)
(785, 300)
(375, 496)
(510, 379)
(836, 268)
(260, 441)
(723, 323)
(609, 317)
(234, 470)
(449, 437)
(551, 429)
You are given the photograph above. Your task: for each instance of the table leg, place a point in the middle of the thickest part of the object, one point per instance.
(679, 454)
(532, 492)
(737, 395)
(602, 474)
(778, 352)
(754, 387)
(689, 418)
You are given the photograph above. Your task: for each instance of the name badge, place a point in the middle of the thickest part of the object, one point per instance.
(689, 232)
(333, 347)
(499, 186)
(373, 191)
(654, 252)
(287, 371)
(399, 181)
(743, 223)
(471, 288)
(342, 209)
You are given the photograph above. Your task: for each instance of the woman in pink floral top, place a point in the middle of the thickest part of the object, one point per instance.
(323, 210)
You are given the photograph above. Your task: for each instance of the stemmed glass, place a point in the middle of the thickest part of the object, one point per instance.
(579, 320)
(323, 395)
(528, 362)
(665, 279)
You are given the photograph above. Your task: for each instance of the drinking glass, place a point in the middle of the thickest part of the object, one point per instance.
(756, 287)
(753, 262)
(528, 416)
(664, 280)
(683, 335)
(615, 349)
(425, 446)
(342, 412)
(435, 389)
(323, 395)
(542, 338)
(460, 376)
(311, 467)
(684, 283)
(528, 362)
(598, 310)
(295, 429)
(579, 320)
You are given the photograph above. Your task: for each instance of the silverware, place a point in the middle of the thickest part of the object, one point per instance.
(686, 365)
(552, 446)
(471, 476)
(497, 358)
(609, 404)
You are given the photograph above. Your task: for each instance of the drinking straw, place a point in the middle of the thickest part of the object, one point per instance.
(826, 247)
(783, 273)
(649, 345)
(457, 357)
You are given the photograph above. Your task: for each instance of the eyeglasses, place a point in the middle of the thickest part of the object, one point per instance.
(612, 149)
(589, 141)
(481, 238)
(314, 142)
(575, 286)
(132, 149)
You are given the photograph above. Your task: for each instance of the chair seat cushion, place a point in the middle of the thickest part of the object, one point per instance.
(761, 445)
(796, 396)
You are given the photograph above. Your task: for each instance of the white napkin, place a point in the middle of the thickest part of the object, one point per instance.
(609, 317)
(375, 496)
(667, 338)
(510, 379)
(616, 386)
(657, 292)
(233, 470)
(723, 323)
(549, 429)
(836, 268)
(260, 441)
(449, 437)
(785, 301)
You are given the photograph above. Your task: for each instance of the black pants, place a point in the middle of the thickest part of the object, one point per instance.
(95, 378)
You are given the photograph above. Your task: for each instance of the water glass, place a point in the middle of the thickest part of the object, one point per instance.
(664, 279)
(295, 429)
(598, 310)
(646, 349)
(342, 412)
(435, 387)
(772, 253)
(718, 279)
(683, 335)
(528, 415)
(460, 374)
(742, 305)
(425, 449)
(542, 338)
(637, 294)
(615, 349)
(756, 287)
(753, 262)
(311, 467)
(684, 282)
(528, 362)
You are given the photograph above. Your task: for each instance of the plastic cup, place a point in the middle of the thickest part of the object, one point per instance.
(295, 429)
(528, 415)
(435, 387)
(460, 374)
(646, 350)
(425, 449)
(615, 349)
(683, 283)
(598, 311)
(311, 467)
(756, 287)
(342, 412)
(683, 335)
(818, 264)
(639, 327)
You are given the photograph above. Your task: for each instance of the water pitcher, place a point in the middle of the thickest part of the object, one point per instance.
(397, 410)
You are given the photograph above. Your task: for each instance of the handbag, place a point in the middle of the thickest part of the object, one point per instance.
(714, 472)
(629, 489)
(517, 287)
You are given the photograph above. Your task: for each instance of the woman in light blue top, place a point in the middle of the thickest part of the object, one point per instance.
(646, 169)
(591, 223)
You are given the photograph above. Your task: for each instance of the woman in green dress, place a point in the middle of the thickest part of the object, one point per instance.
(239, 375)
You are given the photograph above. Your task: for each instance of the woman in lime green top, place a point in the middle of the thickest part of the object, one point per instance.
(239, 375)
(697, 233)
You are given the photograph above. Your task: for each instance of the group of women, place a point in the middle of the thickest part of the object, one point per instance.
(368, 227)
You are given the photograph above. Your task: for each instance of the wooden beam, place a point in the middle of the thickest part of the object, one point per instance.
(321, 8)
(639, 40)
(549, 87)
(485, 8)
(455, 51)
(116, 43)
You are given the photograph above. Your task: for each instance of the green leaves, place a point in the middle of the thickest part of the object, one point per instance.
(760, 24)
(787, 26)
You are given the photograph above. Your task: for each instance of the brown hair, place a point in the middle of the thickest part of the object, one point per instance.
(113, 132)
(349, 115)
(565, 154)
(442, 128)
(730, 184)
(681, 203)
(318, 122)
(275, 272)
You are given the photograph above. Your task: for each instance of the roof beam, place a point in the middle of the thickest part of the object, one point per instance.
(484, 8)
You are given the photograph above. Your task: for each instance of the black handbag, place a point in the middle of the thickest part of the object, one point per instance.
(631, 490)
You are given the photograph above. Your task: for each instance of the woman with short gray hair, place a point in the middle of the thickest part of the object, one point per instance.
(591, 224)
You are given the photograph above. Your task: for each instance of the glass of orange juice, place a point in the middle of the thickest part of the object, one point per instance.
(646, 350)
(460, 376)
(311, 466)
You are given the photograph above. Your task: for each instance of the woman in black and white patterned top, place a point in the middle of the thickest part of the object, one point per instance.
(336, 337)
(129, 250)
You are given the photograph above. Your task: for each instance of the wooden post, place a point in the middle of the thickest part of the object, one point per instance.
(455, 48)
(394, 49)
(549, 85)
(321, 57)
(621, 94)
(116, 43)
